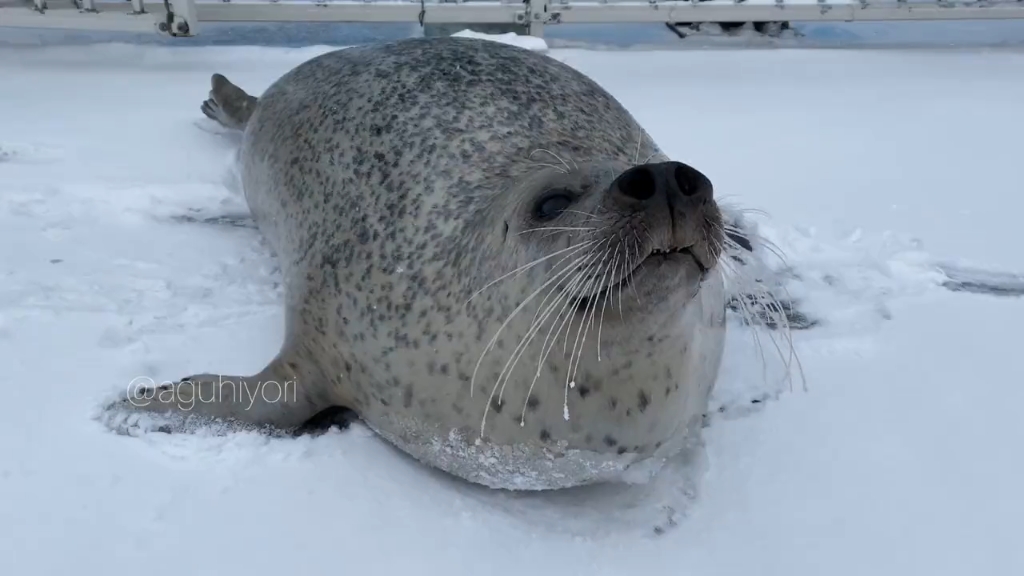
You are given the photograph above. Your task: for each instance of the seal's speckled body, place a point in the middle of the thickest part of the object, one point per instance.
(401, 185)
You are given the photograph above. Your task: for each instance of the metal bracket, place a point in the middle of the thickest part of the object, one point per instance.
(181, 18)
(540, 13)
(87, 6)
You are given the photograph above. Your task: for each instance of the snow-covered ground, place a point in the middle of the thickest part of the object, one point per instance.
(902, 456)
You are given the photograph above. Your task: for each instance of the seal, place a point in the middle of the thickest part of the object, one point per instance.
(484, 256)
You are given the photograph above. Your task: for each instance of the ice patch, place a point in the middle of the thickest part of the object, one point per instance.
(511, 38)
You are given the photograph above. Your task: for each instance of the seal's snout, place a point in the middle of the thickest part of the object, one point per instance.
(672, 182)
(675, 203)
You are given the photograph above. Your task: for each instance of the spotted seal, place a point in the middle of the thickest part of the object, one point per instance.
(485, 257)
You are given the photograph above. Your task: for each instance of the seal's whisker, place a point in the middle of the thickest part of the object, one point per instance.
(578, 260)
(581, 289)
(552, 166)
(575, 166)
(715, 247)
(483, 422)
(534, 328)
(594, 216)
(568, 298)
(647, 232)
(553, 232)
(565, 298)
(558, 229)
(770, 302)
(770, 306)
(521, 305)
(536, 324)
(639, 141)
(557, 157)
(744, 210)
(775, 250)
(586, 290)
(570, 381)
(577, 350)
(607, 293)
(593, 231)
(633, 265)
(748, 316)
(625, 266)
(527, 266)
(555, 277)
(768, 244)
(593, 311)
(569, 289)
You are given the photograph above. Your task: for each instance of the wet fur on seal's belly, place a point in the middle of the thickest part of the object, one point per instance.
(524, 466)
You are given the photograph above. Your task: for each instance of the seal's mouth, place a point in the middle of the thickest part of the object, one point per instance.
(583, 303)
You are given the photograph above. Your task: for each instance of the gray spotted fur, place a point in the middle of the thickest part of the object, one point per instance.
(394, 181)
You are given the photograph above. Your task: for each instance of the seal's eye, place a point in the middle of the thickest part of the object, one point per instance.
(552, 203)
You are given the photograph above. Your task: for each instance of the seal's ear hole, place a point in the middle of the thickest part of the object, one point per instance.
(552, 203)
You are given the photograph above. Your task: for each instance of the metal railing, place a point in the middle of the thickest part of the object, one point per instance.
(184, 17)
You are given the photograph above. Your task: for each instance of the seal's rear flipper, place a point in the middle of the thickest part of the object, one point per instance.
(326, 419)
(228, 104)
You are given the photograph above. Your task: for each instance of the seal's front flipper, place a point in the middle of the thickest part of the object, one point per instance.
(740, 240)
(752, 310)
(275, 397)
(758, 304)
(228, 104)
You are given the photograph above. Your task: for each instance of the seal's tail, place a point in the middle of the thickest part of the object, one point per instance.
(228, 104)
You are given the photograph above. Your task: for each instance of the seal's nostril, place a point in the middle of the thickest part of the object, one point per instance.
(645, 182)
(691, 182)
(638, 183)
(684, 183)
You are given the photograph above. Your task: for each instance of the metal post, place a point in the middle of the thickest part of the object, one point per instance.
(181, 19)
(538, 13)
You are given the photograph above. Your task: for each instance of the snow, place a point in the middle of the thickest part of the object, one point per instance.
(877, 170)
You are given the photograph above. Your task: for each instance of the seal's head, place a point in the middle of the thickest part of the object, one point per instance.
(607, 228)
